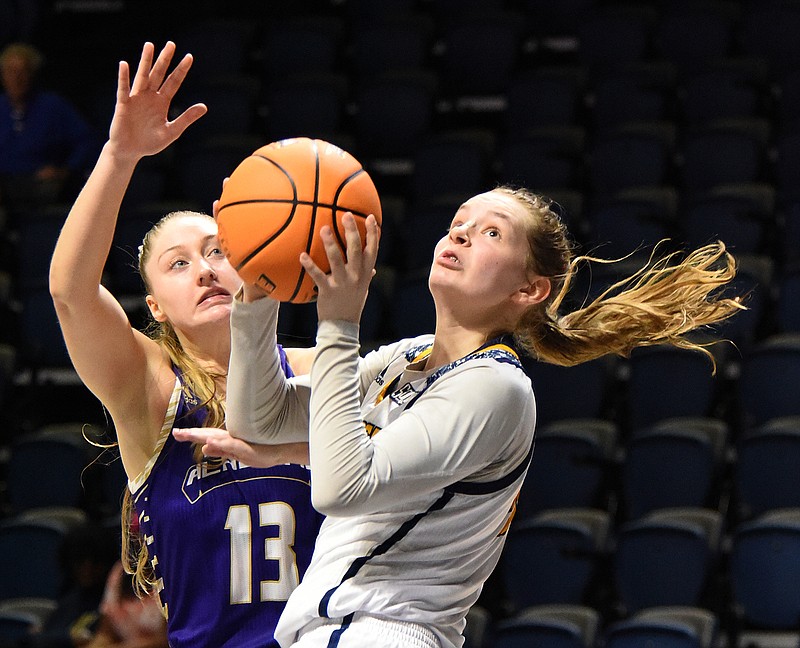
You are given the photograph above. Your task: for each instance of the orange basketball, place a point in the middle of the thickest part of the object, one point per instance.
(275, 203)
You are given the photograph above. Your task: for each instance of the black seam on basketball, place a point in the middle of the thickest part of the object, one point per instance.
(334, 220)
(306, 203)
(276, 165)
(302, 274)
(294, 203)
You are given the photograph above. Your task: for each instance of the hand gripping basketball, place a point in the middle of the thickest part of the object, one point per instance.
(275, 203)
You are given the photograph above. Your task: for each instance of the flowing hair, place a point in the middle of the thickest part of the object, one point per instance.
(668, 298)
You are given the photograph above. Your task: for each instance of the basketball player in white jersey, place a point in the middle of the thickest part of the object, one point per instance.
(418, 450)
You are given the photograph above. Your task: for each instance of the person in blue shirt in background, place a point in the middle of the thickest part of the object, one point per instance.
(46, 145)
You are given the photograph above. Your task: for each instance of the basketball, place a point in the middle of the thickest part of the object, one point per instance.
(274, 204)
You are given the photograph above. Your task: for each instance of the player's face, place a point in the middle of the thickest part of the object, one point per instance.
(191, 281)
(483, 260)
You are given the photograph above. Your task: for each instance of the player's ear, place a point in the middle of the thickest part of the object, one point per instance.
(534, 292)
(155, 309)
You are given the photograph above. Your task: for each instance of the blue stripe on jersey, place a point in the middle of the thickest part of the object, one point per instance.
(336, 635)
(484, 488)
(382, 548)
(497, 349)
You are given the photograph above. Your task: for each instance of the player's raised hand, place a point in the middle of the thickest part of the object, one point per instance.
(141, 124)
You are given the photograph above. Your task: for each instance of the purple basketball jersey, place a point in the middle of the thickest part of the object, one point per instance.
(229, 543)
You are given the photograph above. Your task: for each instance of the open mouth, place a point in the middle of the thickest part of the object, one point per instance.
(449, 257)
(215, 295)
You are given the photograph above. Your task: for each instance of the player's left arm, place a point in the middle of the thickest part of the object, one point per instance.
(473, 427)
(218, 443)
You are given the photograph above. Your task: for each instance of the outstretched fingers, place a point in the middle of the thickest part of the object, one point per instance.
(153, 75)
(174, 81)
(188, 117)
(123, 82)
(159, 70)
(142, 77)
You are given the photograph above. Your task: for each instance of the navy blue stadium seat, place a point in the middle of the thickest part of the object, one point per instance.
(393, 41)
(219, 46)
(742, 216)
(298, 44)
(725, 90)
(788, 302)
(554, 557)
(36, 546)
(764, 566)
(564, 87)
(312, 104)
(453, 163)
(480, 53)
(45, 468)
(232, 101)
(692, 33)
(677, 462)
(394, 112)
(630, 93)
(764, 473)
(723, 152)
(665, 627)
(412, 312)
(574, 466)
(666, 557)
(770, 372)
(787, 166)
(554, 626)
(543, 158)
(665, 381)
(579, 392)
(203, 165)
(623, 227)
(610, 35)
(631, 155)
(768, 30)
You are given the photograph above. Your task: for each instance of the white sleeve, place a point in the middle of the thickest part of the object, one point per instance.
(475, 421)
(262, 405)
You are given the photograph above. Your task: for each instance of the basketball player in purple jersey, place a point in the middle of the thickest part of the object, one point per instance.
(224, 544)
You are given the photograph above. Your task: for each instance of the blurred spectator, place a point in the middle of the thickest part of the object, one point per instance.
(46, 146)
(127, 621)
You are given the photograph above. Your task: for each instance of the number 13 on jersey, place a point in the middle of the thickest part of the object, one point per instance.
(277, 548)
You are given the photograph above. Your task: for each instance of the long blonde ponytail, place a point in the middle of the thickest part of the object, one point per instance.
(667, 299)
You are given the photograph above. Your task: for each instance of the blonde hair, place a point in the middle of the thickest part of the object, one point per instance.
(668, 298)
(197, 381)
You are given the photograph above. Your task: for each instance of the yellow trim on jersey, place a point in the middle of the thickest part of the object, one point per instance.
(501, 347)
(166, 429)
(388, 387)
(511, 513)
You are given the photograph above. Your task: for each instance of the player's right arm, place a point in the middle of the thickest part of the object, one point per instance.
(117, 363)
(262, 405)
